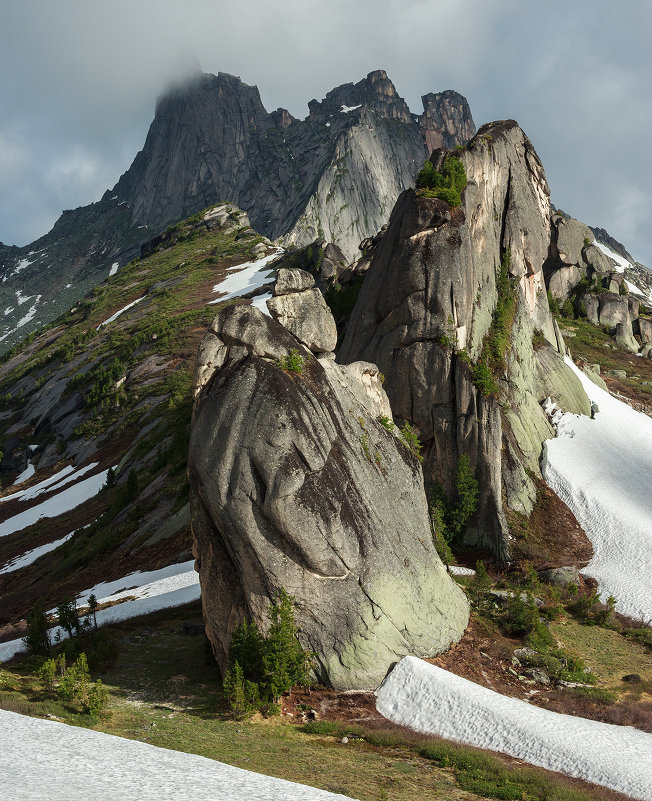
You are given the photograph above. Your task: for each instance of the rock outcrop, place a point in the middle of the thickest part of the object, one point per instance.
(425, 312)
(334, 175)
(296, 484)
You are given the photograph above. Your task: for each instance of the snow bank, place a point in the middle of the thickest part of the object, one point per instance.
(114, 267)
(430, 699)
(37, 489)
(602, 470)
(120, 311)
(621, 263)
(143, 584)
(249, 276)
(171, 586)
(458, 570)
(31, 556)
(66, 763)
(62, 502)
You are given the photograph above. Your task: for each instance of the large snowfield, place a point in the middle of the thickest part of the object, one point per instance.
(44, 759)
(432, 700)
(602, 470)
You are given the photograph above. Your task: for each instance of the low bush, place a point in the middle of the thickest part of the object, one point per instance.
(447, 184)
(293, 362)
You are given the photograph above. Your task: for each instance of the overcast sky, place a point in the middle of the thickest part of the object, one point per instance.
(80, 80)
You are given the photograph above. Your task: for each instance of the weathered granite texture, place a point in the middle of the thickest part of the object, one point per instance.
(426, 306)
(296, 484)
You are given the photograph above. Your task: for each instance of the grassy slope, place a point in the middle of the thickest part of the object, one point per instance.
(141, 425)
(165, 692)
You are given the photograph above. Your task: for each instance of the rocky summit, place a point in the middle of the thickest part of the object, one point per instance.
(336, 175)
(299, 481)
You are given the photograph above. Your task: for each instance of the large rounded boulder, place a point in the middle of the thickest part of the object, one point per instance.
(297, 484)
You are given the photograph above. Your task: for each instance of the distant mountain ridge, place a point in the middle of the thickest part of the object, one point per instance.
(335, 174)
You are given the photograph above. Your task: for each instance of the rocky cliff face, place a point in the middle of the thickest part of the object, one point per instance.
(334, 175)
(296, 484)
(426, 313)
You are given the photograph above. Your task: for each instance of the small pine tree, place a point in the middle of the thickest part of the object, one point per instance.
(246, 649)
(285, 662)
(68, 617)
(46, 675)
(92, 608)
(242, 695)
(132, 485)
(110, 477)
(37, 639)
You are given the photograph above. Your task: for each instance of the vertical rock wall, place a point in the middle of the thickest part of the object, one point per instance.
(426, 307)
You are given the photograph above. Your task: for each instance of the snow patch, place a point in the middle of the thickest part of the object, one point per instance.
(69, 763)
(57, 505)
(114, 267)
(458, 570)
(21, 266)
(430, 699)
(346, 109)
(143, 585)
(260, 302)
(119, 312)
(51, 484)
(601, 469)
(621, 263)
(634, 288)
(31, 556)
(30, 314)
(22, 298)
(28, 472)
(249, 276)
(8, 310)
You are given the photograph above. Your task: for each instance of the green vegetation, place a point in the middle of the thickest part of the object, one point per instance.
(342, 298)
(492, 361)
(262, 668)
(475, 771)
(447, 184)
(293, 362)
(449, 519)
(410, 438)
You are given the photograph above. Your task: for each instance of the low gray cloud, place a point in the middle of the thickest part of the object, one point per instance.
(82, 77)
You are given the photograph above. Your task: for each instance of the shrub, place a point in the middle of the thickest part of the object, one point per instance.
(410, 438)
(293, 362)
(447, 184)
(96, 699)
(73, 684)
(46, 675)
(521, 615)
(483, 379)
(567, 309)
(466, 497)
(553, 304)
(262, 668)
